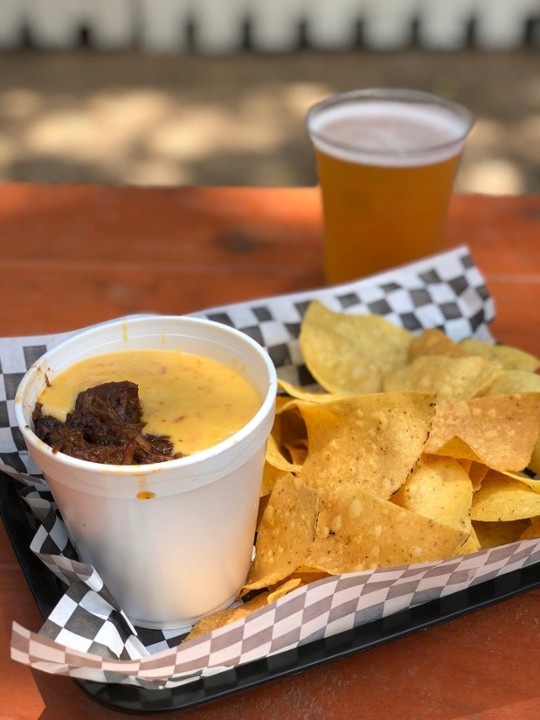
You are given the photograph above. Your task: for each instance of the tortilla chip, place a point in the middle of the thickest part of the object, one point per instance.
(499, 431)
(534, 462)
(477, 472)
(308, 575)
(533, 531)
(284, 534)
(349, 354)
(512, 382)
(440, 489)
(358, 531)
(371, 440)
(530, 482)
(502, 498)
(227, 616)
(471, 545)
(434, 342)
(451, 378)
(493, 534)
(276, 458)
(283, 589)
(306, 395)
(510, 358)
(287, 445)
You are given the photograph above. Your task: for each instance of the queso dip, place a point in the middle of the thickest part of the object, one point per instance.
(196, 402)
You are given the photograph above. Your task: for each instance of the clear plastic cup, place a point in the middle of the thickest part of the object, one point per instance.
(185, 550)
(386, 161)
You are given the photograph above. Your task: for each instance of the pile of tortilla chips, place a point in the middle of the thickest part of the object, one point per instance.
(417, 449)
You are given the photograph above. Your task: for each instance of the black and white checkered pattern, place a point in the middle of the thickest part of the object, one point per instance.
(446, 292)
(88, 636)
(321, 609)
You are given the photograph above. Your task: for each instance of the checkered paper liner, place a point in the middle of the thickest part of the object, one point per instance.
(87, 635)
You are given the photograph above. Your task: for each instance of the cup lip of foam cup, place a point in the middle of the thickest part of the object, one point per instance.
(356, 152)
(81, 342)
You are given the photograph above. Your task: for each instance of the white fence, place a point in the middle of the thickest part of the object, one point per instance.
(224, 26)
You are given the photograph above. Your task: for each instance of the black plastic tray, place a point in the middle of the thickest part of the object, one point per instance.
(47, 591)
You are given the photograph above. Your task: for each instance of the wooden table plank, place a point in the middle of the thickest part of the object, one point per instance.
(503, 234)
(105, 252)
(108, 252)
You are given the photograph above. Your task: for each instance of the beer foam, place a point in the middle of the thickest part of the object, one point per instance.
(390, 134)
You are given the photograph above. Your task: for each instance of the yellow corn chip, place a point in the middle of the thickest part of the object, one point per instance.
(434, 342)
(284, 534)
(349, 354)
(502, 498)
(493, 534)
(451, 378)
(358, 531)
(370, 440)
(440, 489)
(499, 431)
(510, 358)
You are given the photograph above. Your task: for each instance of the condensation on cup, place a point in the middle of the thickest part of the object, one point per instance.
(386, 162)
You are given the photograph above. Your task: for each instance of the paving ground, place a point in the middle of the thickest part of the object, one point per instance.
(141, 119)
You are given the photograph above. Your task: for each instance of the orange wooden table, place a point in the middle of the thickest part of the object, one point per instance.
(74, 255)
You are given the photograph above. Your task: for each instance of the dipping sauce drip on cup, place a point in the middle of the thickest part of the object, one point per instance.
(386, 162)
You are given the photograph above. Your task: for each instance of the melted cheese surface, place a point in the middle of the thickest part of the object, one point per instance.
(194, 401)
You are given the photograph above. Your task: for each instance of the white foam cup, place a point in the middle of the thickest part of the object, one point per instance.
(184, 552)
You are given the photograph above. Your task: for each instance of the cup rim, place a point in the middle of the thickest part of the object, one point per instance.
(266, 407)
(392, 95)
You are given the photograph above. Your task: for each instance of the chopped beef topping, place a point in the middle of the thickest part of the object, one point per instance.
(104, 427)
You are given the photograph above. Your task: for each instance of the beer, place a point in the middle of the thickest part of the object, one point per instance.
(386, 162)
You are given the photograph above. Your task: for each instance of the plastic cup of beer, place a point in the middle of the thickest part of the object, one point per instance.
(386, 162)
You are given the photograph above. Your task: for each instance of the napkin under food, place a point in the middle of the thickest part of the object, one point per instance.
(88, 636)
